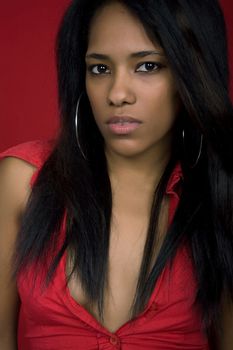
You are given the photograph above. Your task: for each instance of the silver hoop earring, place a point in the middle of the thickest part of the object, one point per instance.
(199, 152)
(76, 126)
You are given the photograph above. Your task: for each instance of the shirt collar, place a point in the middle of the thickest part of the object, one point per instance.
(175, 178)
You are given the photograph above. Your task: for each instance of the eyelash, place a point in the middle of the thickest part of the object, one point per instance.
(159, 66)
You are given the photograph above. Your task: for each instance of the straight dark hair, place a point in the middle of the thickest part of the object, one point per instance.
(70, 184)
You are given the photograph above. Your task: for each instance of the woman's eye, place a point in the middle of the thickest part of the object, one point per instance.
(148, 67)
(98, 69)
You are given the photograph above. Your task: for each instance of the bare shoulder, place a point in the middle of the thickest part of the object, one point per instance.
(15, 175)
(14, 167)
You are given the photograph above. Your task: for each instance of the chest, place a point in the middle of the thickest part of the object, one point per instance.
(127, 240)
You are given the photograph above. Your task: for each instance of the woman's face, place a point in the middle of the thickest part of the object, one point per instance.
(129, 85)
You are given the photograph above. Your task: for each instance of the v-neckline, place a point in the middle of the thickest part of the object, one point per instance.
(79, 311)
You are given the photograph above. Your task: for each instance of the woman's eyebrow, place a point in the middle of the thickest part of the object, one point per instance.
(138, 54)
(146, 53)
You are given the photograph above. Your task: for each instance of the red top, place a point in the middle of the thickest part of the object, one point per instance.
(50, 319)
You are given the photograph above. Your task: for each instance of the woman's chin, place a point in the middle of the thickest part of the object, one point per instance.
(126, 149)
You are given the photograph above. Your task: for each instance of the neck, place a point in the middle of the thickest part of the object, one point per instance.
(137, 172)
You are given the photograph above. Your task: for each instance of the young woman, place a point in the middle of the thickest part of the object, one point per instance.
(118, 235)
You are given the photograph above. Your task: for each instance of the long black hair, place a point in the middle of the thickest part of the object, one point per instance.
(193, 35)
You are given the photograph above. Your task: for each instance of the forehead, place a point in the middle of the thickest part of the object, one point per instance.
(114, 28)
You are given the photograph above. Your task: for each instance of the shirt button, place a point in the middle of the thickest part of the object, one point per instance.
(114, 340)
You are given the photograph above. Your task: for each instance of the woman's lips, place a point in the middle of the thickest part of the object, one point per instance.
(123, 125)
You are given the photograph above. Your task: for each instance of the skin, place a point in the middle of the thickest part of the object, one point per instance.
(136, 86)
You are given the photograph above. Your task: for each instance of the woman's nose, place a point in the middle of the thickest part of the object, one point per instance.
(121, 90)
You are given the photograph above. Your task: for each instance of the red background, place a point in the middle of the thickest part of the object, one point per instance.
(28, 92)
